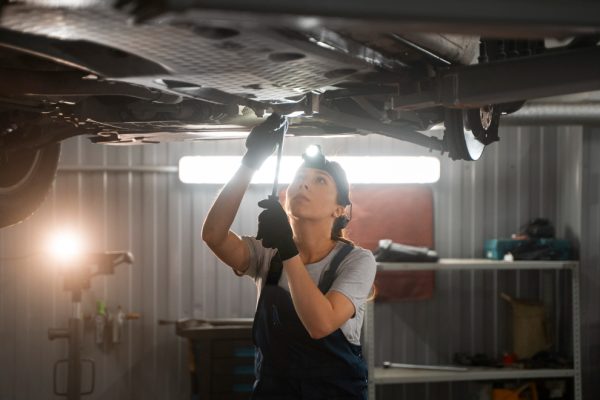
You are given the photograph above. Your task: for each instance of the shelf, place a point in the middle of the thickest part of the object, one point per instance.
(388, 376)
(450, 264)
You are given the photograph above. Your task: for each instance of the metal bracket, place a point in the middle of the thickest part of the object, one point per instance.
(404, 132)
(498, 82)
(541, 75)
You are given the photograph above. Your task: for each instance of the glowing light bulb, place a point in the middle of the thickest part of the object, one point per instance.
(66, 246)
(312, 150)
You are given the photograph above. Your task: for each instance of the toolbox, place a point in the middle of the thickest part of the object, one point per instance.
(221, 358)
(495, 249)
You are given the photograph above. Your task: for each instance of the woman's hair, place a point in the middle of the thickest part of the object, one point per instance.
(337, 231)
(343, 198)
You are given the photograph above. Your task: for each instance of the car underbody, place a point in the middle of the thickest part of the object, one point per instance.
(172, 71)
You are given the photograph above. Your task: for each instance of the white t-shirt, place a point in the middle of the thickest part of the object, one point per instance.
(354, 278)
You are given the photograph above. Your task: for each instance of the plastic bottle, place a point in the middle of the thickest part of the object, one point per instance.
(117, 325)
(100, 321)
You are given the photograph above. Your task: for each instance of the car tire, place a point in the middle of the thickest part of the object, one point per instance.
(459, 141)
(25, 178)
(484, 123)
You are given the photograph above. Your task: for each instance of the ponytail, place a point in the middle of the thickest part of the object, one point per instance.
(337, 231)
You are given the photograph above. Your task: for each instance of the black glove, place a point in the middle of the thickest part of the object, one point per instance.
(274, 228)
(263, 139)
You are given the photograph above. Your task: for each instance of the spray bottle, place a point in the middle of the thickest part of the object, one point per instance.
(100, 321)
(117, 325)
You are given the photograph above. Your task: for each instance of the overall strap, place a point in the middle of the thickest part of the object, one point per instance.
(275, 270)
(329, 275)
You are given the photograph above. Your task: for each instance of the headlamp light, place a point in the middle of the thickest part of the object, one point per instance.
(313, 150)
(314, 157)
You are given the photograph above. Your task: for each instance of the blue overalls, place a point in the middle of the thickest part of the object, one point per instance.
(289, 363)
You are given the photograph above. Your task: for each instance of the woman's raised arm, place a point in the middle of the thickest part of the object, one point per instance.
(216, 231)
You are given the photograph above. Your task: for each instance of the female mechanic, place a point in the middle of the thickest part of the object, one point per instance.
(312, 283)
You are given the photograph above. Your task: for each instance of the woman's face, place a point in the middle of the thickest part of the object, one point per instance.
(312, 195)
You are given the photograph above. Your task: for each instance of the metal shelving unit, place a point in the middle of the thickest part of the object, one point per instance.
(381, 376)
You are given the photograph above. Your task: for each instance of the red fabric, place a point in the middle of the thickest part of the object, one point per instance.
(404, 214)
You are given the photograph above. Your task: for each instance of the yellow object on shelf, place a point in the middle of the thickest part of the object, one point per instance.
(516, 394)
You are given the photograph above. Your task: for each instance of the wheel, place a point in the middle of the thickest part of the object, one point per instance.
(25, 177)
(459, 141)
(484, 123)
(509, 108)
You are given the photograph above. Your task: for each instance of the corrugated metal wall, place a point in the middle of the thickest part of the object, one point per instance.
(175, 276)
(517, 179)
(590, 261)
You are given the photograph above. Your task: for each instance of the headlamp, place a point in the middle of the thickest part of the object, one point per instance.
(313, 150)
(313, 156)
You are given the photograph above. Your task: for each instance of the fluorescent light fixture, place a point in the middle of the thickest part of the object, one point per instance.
(359, 169)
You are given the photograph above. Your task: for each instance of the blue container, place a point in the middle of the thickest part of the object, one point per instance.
(495, 249)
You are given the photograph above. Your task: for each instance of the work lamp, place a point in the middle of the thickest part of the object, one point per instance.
(66, 246)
